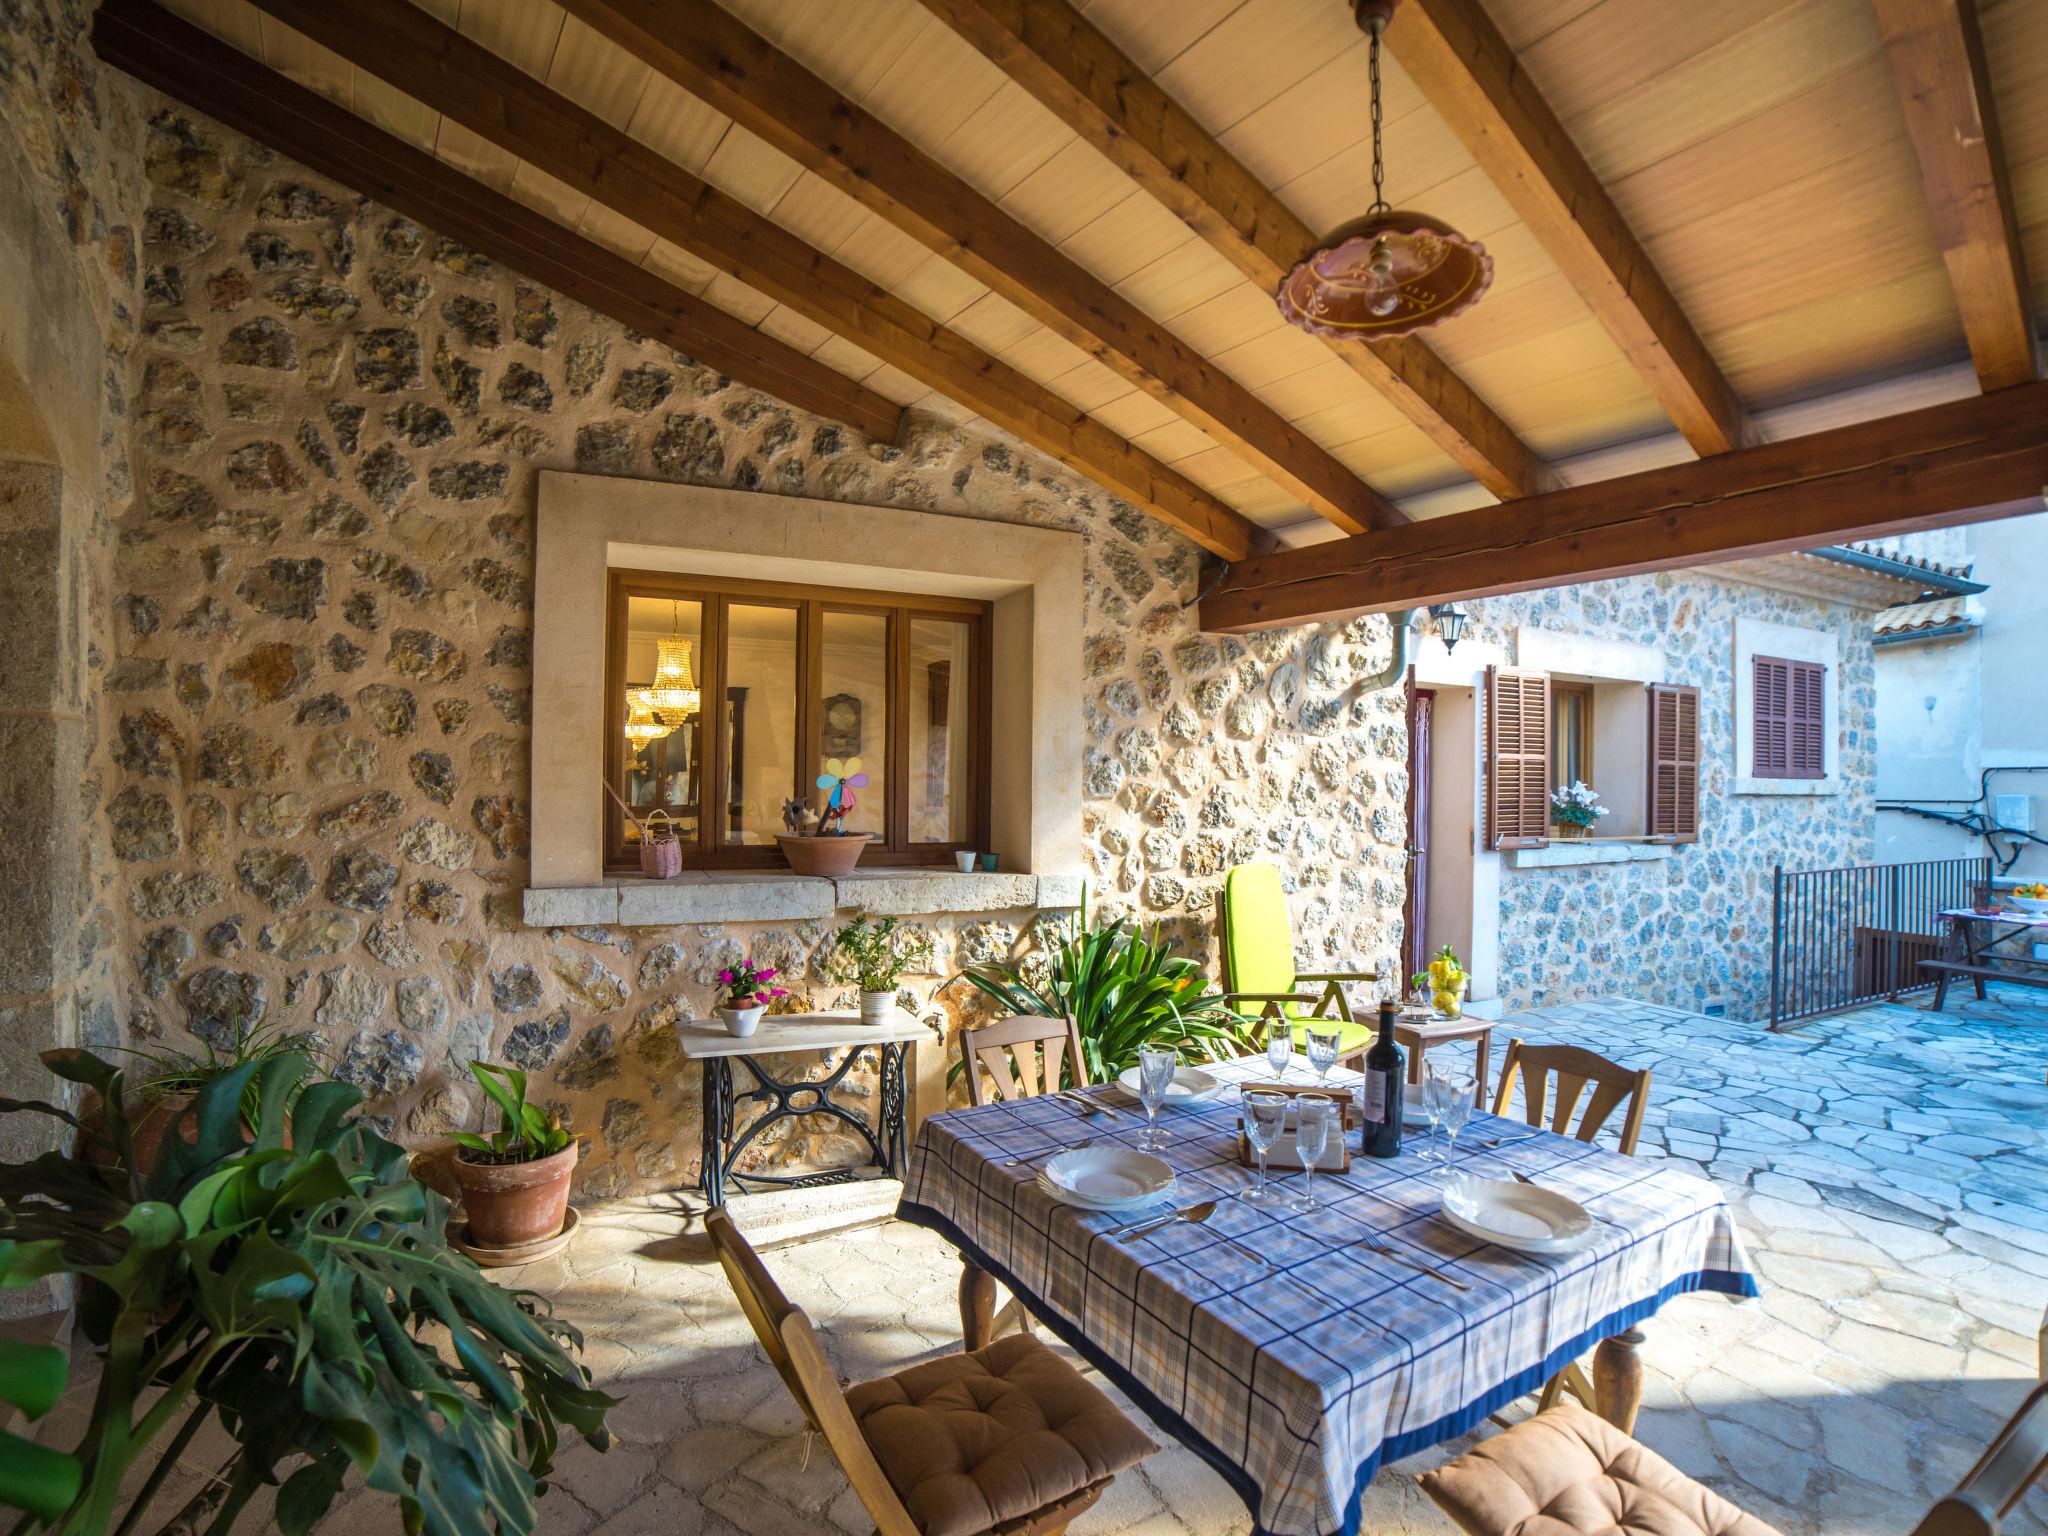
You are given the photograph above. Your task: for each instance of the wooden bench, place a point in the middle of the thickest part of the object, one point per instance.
(1944, 969)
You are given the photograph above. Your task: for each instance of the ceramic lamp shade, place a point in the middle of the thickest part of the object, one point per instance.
(1385, 275)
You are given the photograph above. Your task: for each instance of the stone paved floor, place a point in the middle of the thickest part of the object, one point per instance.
(1889, 1167)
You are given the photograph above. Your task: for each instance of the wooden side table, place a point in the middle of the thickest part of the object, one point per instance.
(788, 1098)
(1420, 1036)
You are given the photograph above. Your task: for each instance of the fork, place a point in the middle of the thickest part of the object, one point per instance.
(1401, 1258)
(1032, 1157)
(1089, 1109)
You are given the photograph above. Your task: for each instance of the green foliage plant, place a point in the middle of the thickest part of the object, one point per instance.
(526, 1133)
(1124, 987)
(872, 953)
(289, 1278)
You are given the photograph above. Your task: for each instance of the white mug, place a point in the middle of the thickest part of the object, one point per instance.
(964, 862)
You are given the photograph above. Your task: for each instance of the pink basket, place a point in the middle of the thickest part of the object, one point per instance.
(661, 856)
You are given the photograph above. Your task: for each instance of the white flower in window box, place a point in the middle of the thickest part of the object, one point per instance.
(1576, 808)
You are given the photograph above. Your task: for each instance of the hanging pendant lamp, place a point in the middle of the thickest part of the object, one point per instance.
(1391, 271)
(641, 726)
(673, 695)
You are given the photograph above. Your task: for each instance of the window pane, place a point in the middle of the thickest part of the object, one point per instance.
(940, 771)
(761, 748)
(1571, 736)
(663, 754)
(853, 719)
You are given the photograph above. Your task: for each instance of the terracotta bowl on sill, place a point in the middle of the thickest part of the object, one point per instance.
(825, 855)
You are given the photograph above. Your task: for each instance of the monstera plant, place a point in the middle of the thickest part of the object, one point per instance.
(277, 1268)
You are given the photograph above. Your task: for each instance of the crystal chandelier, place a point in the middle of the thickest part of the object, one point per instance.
(641, 726)
(673, 695)
(1391, 271)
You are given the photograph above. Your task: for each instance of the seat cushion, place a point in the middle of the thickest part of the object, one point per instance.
(971, 1442)
(1567, 1472)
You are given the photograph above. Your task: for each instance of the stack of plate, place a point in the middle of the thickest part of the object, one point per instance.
(1190, 1085)
(1524, 1217)
(1105, 1178)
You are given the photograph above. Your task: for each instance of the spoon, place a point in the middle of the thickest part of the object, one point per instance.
(1194, 1216)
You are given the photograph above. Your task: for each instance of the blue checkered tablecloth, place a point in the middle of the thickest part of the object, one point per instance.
(1296, 1381)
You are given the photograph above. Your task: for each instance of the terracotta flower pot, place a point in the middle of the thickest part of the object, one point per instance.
(146, 1132)
(510, 1203)
(825, 855)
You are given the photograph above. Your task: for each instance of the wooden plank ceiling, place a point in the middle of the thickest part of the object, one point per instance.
(1756, 169)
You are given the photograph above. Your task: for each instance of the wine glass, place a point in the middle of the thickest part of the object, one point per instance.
(1454, 1108)
(1432, 1108)
(1265, 1117)
(1322, 1054)
(1279, 1047)
(1155, 1072)
(1312, 1118)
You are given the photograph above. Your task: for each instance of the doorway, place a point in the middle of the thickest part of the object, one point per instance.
(1415, 905)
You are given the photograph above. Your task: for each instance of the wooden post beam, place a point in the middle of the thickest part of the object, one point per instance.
(1460, 61)
(1963, 461)
(206, 74)
(707, 51)
(1937, 58)
(437, 65)
(1047, 47)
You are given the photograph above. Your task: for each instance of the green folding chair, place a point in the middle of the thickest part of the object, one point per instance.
(1259, 975)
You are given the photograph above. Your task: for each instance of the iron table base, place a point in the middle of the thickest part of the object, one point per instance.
(792, 1099)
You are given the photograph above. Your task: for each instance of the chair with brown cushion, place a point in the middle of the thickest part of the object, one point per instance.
(1613, 1085)
(1568, 1472)
(1009, 1439)
(1020, 1057)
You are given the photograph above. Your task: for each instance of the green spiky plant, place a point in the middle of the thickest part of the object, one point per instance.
(289, 1277)
(526, 1133)
(1124, 987)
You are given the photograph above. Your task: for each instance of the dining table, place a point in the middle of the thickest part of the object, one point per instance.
(1297, 1352)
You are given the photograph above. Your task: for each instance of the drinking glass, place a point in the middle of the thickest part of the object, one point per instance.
(1279, 1047)
(1155, 1073)
(1311, 1138)
(1265, 1114)
(1322, 1054)
(1454, 1108)
(1432, 1108)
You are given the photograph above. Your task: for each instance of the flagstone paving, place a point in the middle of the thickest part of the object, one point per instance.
(1889, 1168)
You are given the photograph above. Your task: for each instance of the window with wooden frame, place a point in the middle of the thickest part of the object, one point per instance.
(1571, 733)
(1788, 716)
(725, 698)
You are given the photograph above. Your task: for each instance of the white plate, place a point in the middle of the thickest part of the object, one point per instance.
(1190, 1085)
(1107, 1178)
(1524, 1217)
(1121, 1207)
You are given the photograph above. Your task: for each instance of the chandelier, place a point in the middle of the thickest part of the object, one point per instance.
(641, 725)
(1391, 271)
(673, 695)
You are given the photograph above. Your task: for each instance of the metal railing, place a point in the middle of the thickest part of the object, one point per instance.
(1840, 937)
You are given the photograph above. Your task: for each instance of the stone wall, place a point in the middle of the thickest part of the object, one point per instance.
(319, 673)
(1696, 927)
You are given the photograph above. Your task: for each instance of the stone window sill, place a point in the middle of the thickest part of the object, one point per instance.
(1564, 855)
(743, 896)
(1742, 784)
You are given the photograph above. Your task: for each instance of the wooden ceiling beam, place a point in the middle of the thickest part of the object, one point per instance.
(435, 64)
(1064, 61)
(1962, 461)
(711, 54)
(190, 65)
(1471, 76)
(1937, 59)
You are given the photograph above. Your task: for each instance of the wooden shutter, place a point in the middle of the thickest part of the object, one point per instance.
(1806, 748)
(1517, 758)
(1771, 717)
(1674, 789)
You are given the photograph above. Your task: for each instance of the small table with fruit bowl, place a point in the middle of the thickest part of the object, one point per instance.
(1980, 940)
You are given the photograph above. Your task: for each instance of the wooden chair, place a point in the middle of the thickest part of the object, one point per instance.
(1574, 1068)
(884, 1436)
(1575, 1469)
(1003, 1053)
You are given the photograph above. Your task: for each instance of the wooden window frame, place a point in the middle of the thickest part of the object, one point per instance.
(1559, 688)
(715, 595)
(1797, 723)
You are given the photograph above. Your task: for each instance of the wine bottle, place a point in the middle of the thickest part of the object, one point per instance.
(1384, 1072)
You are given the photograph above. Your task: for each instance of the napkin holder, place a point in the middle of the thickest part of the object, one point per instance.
(1286, 1158)
(1345, 1098)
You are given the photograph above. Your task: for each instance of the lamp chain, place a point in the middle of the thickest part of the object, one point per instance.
(1379, 170)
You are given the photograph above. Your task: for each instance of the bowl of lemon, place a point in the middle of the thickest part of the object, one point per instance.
(2030, 898)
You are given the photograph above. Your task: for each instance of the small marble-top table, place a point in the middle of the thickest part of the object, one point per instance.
(788, 1098)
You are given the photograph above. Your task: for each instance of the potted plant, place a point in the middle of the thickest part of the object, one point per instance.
(1444, 979)
(870, 954)
(1123, 987)
(817, 842)
(169, 1080)
(290, 1280)
(1575, 808)
(515, 1185)
(744, 995)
